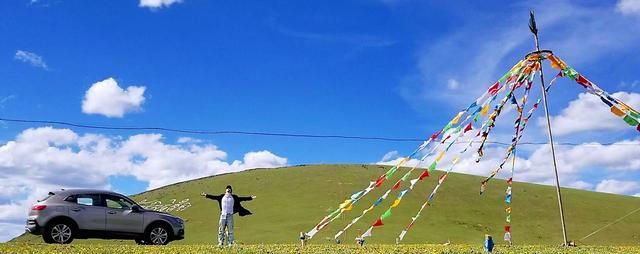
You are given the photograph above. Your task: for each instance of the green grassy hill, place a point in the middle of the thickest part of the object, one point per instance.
(294, 199)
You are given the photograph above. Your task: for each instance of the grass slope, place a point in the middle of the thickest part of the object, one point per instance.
(294, 199)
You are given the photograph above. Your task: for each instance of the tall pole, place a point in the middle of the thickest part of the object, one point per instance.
(534, 30)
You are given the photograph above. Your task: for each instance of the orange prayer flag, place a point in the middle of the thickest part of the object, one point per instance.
(616, 111)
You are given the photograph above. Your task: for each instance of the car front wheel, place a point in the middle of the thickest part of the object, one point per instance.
(59, 232)
(157, 235)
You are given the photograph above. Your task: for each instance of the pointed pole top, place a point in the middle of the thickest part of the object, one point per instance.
(532, 23)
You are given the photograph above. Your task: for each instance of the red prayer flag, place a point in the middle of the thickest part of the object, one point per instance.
(435, 135)
(378, 223)
(410, 225)
(441, 179)
(467, 128)
(397, 185)
(507, 228)
(445, 139)
(638, 127)
(493, 90)
(380, 180)
(424, 174)
(583, 81)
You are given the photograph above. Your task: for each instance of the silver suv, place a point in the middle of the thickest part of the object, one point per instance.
(67, 214)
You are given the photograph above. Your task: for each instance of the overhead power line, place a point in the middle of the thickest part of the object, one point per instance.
(259, 133)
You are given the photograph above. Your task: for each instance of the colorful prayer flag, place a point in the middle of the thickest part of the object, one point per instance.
(493, 90)
(424, 174)
(397, 185)
(616, 111)
(432, 167)
(630, 120)
(395, 203)
(378, 223)
(386, 214)
(367, 233)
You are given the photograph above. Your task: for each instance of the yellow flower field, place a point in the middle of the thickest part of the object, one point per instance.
(313, 248)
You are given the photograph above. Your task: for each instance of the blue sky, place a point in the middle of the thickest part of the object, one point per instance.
(394, 68)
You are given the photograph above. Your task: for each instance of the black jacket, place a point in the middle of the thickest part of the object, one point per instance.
(237, 207)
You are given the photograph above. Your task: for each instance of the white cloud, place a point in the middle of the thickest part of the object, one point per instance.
(43, 159)
(390, 156)
(574, 163)
(108, 99)
(31, 58)
(637, 195)
(155, 4)
(588, 113)
(628, 7)
(617, 186)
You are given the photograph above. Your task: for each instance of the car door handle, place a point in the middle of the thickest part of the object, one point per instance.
(77, 209)
(111, 212)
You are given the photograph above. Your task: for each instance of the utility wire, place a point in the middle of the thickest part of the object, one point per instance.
(614, 222)
(258, 133)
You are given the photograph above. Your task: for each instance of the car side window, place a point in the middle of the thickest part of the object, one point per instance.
(85, 199)
(116, 202)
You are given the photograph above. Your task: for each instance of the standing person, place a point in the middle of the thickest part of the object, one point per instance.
(303, 239)
(229, 205)
(488, 243)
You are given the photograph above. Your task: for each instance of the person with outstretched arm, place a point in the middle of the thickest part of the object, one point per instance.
(229, 205)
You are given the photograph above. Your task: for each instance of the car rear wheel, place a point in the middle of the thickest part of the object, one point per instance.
(59, 232)
(157, 234)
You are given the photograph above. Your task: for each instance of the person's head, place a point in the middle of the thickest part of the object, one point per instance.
(488, 237)
(228, 189)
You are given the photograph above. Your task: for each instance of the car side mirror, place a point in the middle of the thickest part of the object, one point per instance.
(136, 209)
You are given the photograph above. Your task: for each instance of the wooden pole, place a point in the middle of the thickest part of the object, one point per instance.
(534, 30)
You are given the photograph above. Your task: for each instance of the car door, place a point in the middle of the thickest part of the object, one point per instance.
(87, 211)
(120, 217)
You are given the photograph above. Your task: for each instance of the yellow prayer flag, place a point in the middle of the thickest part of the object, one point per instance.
(485, 109)
(345, 203)
(457, 118)
(395, 203)
(348, 208)
(440, 156)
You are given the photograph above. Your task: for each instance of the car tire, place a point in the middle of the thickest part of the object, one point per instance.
(158, 234)
(60, 232)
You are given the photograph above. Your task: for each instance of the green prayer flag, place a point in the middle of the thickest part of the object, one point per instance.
(404, 178)
(630, 120)
(386, 214)
(432, 167)
(634, 114)
(504, 77)
(476, 118)
(570, 72)
(446, 128)
(391, 172)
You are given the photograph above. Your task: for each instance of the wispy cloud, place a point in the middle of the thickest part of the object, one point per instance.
(357, 40)
(156, 4)
(476, 54)
(5, 99)
(31, 58)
